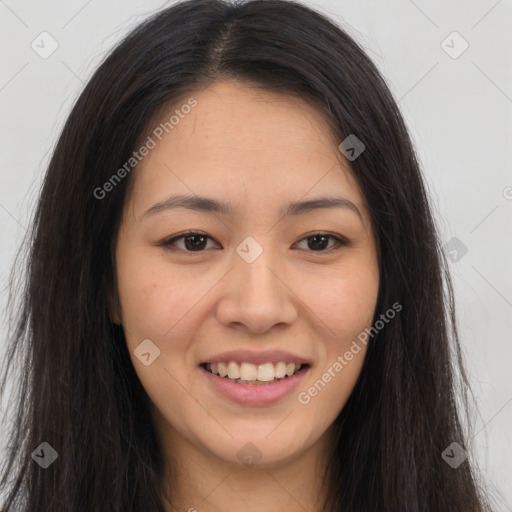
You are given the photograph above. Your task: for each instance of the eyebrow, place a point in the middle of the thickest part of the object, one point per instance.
(206, 204)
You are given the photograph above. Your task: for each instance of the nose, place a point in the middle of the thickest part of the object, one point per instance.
(257, 296)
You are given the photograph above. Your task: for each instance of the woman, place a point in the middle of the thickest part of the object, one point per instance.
(236, 297)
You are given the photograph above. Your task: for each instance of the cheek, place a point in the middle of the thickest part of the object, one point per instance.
(154, 302)
(346, 305)
(345, 302)
(152, 299)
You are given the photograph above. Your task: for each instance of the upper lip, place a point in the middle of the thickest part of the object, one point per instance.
(248, 356)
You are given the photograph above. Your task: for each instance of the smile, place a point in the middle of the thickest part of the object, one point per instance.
(252, 374)
(253, 392)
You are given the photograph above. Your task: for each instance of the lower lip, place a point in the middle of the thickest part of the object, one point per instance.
(255, 395)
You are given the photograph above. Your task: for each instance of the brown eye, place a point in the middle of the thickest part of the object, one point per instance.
(197, 242)
(319, 242)
(193, 242)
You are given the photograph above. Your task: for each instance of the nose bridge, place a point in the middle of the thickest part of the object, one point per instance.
(256, 295)
(256, 266)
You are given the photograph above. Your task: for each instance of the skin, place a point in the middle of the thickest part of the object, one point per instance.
(256, 150)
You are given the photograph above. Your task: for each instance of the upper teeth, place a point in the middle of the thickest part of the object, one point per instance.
(249, 372)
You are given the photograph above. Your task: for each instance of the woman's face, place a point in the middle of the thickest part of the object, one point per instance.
(255, 288)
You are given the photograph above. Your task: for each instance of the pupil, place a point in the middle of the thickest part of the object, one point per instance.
(194, 245)
(323, 244)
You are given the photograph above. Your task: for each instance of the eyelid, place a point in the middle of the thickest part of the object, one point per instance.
(340, 241)
(167, 243)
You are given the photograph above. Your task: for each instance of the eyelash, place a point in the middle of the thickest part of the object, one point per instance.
(168, 244)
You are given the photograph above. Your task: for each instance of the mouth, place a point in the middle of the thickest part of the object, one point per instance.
(249, 374)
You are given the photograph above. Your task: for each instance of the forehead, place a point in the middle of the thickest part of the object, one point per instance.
(239, 142)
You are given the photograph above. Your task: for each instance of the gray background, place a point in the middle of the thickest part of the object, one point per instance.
(458, 110)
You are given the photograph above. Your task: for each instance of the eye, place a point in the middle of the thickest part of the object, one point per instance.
(318, 242)
(195, 241)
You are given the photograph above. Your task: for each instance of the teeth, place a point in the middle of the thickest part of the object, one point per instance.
(248, 371)
(280, 370)
(233, 370)
(223, 369)
(265, 372)
(290, 368)
(251, 373)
